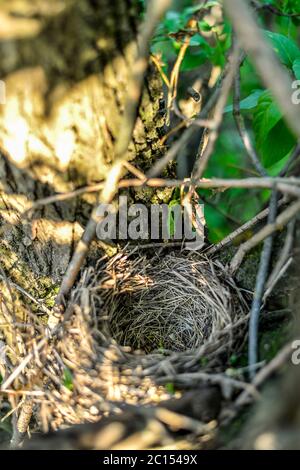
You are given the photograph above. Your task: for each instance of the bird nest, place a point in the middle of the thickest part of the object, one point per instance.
(137, 329)
(174, 304)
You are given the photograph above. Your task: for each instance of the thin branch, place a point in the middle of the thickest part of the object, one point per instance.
(172, 93)
(203, 156)
(295, 154)
(283, 261)
(259, 288)
(158, 65)
(269, 7)
(279, 223)
(159, 182)
(200, 121)
(251, 183)
(20, 368)
(239, 231)
(280, 359)
(24, 292)
(155, 10)
(240, 123)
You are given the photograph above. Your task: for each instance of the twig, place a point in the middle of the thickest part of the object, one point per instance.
(172, 93)
(158, 64)
(63, 197)
(283, 355)
(32, 393)
(30, 297)
(147, 246)
(219, 379)
(19, 369)
(269, 7)
(8, 284)
(295, 154)
(156, 8)
(240, 123)
(283, 260)
(279, 223)
(186, 122)
(22, 424)
(278, 275)
(172, 153)
(260, 286)
(203, 157)
(135, 171)
(239, 231)
(282, 184)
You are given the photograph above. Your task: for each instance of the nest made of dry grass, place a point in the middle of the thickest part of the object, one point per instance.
(135, 323)
(176, 303)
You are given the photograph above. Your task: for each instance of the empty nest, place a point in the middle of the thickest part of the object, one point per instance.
(133, 325)
(176, 303)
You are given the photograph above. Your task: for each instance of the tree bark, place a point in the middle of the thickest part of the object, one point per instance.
(65, 66)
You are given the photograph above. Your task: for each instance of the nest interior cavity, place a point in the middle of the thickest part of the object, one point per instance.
(134, 322)
(176, 303)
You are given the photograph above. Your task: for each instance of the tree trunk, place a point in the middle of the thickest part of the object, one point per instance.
(65, 67)
(64, 70)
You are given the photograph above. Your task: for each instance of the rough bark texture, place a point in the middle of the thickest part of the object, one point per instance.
(65, 67)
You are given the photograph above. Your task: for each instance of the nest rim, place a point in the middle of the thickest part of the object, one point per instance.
(239, 307)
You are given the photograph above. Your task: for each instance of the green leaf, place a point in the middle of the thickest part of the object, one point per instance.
(198, 40)
(273, 138)
(192, 60)
(247, 103)
(171, 217)
(173, 21)
(204, 26)
(266, 116)
(68, 379)
(191, 10)
(278, 143)
(285, 48)
(290, 6)
(296, 68)
(275, 169)
(170, 388)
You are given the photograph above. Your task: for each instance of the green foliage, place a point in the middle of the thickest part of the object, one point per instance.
(285, 48)
(271, 341)
(225, 211)
(287, 6)
(296, 68)
(171, 31)
(68, 379)
(271, 137)
(170, 388)
(175, 202)
(203, 361)
(247, 103)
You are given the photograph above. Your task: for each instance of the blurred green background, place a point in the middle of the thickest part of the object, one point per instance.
(225, 211)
